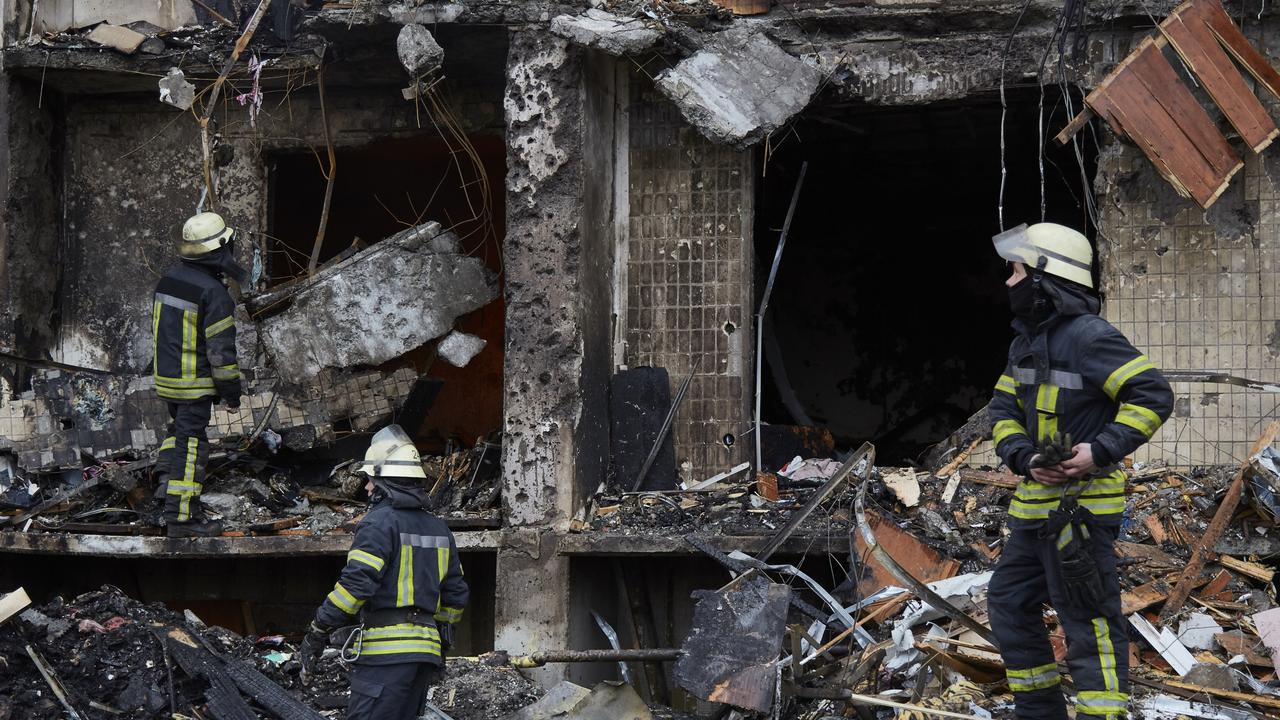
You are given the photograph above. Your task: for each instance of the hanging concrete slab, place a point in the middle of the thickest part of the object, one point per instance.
(375, 306)
(606, 32)
(739, 87)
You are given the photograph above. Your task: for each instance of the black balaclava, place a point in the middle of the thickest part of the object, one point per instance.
(221, 262)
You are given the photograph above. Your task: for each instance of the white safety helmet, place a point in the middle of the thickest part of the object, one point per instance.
(1064, 252)
(391, 454)
(203, 233)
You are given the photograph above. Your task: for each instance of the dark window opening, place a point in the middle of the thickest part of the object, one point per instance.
(385, 187)
(889, 320)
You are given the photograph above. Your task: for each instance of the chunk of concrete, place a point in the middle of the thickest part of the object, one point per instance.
(739, 87)
(458, 348)
(175, 90)
(1211, 675)
(606, 32)
(1198, 630)
(561, 699)
(606, 701)
(418, 50)
(117, 37)
(375, 306)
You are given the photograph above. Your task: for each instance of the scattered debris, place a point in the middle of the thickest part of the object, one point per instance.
(458, 348)
(176, 91)
(117, 37)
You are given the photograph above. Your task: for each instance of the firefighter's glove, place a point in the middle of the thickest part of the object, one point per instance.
(313, 644)
(1081, 582)
(1053, 451)
(446, 637)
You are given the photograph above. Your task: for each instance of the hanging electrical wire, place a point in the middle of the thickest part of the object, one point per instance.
(1004, 111)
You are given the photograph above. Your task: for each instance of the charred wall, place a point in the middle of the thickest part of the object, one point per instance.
(30, 214)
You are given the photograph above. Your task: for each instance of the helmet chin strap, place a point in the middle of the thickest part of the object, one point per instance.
(1037, 275)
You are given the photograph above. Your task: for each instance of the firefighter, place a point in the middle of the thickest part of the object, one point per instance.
(194, 363)
(1075, 399)
(402, 583)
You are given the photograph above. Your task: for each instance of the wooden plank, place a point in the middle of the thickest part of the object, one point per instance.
(1212, 14)
(1196, 43)
(988, 477)
(1156, 528)
(1244, 567)
(1145, 100)
(1149, 554)
(1267, 701)
(1216, 585)
(1237, 643)
(1076, 125)
(13, 603)
(1201, 548)
(1162, 83)
(1152, 593)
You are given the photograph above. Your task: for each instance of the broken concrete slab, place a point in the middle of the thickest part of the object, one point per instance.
(458, 348)
(606, 701)
(418, 50)
(1198, 630)
(375, 306)
(117, 37)
(1211, 675)
(176, 91)
(607, 32)
(739, 87)
(559, 700)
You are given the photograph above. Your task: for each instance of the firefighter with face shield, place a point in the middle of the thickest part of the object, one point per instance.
(194, 363)
(1075, 398)
(402, 584)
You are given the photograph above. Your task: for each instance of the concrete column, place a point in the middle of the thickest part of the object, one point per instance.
(558, 260)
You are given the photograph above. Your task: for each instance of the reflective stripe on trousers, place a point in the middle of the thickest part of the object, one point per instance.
(1026, 578)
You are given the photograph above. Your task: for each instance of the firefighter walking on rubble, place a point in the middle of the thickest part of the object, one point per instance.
(194, 364)
(402, 582)
(1070, 374)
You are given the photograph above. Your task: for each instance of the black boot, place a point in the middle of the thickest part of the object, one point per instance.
(195, 528)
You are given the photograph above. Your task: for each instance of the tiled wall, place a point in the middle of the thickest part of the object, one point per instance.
(689, 275)
(1196, 291)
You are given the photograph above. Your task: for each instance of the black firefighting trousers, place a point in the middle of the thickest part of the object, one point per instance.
(183, 457)
(390, 692)
(1026, 578)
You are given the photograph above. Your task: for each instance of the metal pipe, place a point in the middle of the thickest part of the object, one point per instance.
(764, 302)
(666, 424)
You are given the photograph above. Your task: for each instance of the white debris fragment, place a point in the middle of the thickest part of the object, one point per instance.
(1165, 643)
(458, 348)
(1197, 631)
(1268, 624)
(176, 91)
(905, 486)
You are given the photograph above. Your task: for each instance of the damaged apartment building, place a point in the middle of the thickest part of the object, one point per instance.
(545, 238)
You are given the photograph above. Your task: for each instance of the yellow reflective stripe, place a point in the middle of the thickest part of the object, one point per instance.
(191, 394)
(407, 631)
(178, 487)
(189, 473)
(226, 372)
(155, 333)
(1033, 679)
(404, 583)
(188, 344)
(1047, 411)
(448, 614)
(1007, 384)
(1106, 654)
(1005, 429)
(367, 558)
(344, 600)
(395, 648)
(1066, 536)
(168, 443)
(1098, 702)
(179, 383)
(1108, 506)
(1139, 418)
(1122, 374)
(219, 326)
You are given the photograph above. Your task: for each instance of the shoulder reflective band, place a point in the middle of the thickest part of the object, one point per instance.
(424, 541)
(1139, 418)
(1005, 429)
(175, 302)
(1007, 384)
(366, 558)
(219, 326)
(1124, 373)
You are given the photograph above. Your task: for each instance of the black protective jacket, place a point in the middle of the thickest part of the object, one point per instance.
(1075, 374)
(404, 560)
(193, 332)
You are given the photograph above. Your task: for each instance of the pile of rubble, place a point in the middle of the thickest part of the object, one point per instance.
(105, 655)
(1196, 558)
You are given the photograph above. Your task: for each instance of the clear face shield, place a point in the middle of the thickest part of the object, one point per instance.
(382, 447)
(1014, 245)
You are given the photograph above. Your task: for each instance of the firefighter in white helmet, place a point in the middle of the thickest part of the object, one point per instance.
(402, 583)
(194, 363)
(1075, 398)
